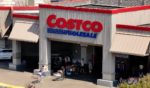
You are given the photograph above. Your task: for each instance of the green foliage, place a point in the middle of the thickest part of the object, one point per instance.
(142, 83)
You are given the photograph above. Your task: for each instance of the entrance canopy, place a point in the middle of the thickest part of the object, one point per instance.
(25, 30)
(131, 40)
(130, 44)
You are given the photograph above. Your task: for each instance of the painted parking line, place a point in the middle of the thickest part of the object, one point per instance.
(9, 86)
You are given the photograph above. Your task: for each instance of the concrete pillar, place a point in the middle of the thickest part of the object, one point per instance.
(44, 48)
(108, 60)
(16, 58)
(45, 54)
(84, 53)
(108, 69)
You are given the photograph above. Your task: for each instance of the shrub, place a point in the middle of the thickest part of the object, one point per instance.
(142, 83)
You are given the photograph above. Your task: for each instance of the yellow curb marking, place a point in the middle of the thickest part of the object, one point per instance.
(10, 86)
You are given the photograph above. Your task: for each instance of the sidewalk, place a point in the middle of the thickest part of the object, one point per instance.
(23, 78)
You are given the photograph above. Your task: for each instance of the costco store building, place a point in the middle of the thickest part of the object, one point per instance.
(110, 39)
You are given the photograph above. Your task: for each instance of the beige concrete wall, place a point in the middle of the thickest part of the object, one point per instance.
(130, 18)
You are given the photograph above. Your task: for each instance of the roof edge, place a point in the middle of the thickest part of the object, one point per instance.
(19, 7)
(5, 8)
(131, 9)
(26, 16)
(131, 27)
(25, 8)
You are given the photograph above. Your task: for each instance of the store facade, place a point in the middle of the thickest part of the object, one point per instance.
(95, 27)
(91, 28)
(106, 38)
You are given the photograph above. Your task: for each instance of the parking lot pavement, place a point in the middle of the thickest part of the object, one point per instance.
(23, 78)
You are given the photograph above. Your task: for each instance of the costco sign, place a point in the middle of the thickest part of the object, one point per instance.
(73, 26)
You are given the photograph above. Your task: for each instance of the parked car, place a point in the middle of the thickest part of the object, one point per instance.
(5, 54)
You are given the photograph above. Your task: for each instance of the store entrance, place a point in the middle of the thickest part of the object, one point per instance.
(68, 56)
(59, 52)
(29, 56)
(131, 66)
(137, 63)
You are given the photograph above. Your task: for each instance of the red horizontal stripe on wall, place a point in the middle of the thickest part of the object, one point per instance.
(130, 27)
(130, 9)
(25, 8)
(76, 9)
(5, 7)
(26, 16)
